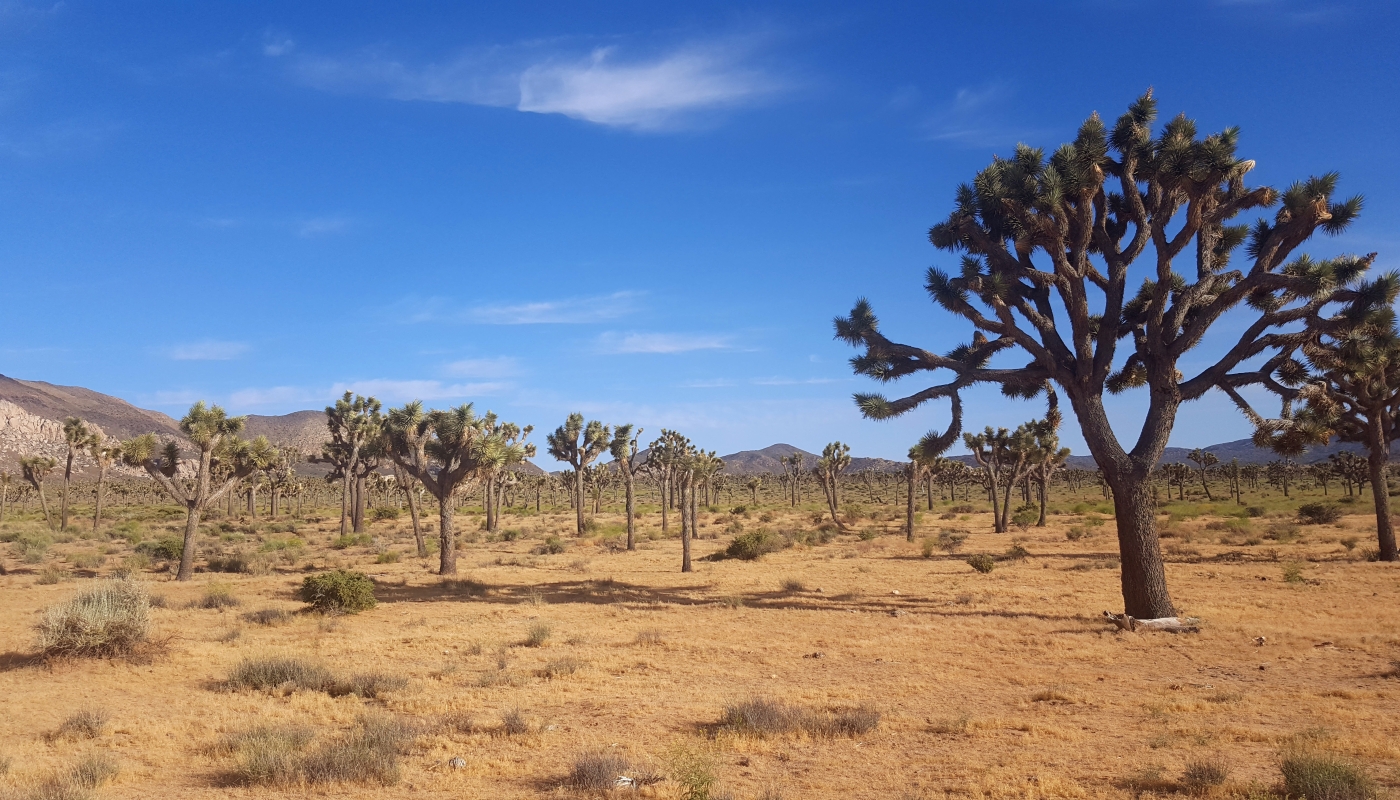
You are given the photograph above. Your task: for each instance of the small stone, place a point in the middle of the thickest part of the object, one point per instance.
(896, 612)
(894, 592)
(458, 763)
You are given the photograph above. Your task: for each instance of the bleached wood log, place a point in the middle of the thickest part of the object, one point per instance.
(1168, 624)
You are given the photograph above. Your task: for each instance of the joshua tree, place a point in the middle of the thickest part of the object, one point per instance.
(1047, 457)
(1349, 389)
(1005, 459)
(105, 455)
(836, 457)
(1046, 238)
(707, 469)
(754, 483)
(579, 445)
(1204, 460)
(794, 466)
(502, 461)
(1177, 473)
(924, 458)
(78, 437)
(35, 470)
(664, 456)
(216, 435)
(6, 481)
(282, 475)
(355, 425)
(685, 472)
(624, 454)
(442, 450)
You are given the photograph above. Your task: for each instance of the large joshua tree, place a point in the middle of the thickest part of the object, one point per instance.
(1204, 460)
(1048, 247)
(77, 436)
(37, 469)
(221, 452)
(623, 448)
(441, 449)
(1350, 389)
(579, 445)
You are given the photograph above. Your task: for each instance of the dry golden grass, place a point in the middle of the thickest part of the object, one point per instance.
(998, 685)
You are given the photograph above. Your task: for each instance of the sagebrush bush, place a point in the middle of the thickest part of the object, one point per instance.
(53, 574)
(764, 717)
(982, 562)
(110, 619)
(1320, 776)
(1201, 775)
(538, 634)
(513, 723)
(1318, 514)
(598, 771)
(384, 513)
(756, 544)
(339, 590)
(165, 549)
(278, 755)
(352, 540)
(552, 546)
(217, 595)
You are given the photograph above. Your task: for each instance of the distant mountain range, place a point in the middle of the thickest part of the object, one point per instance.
(31, 415)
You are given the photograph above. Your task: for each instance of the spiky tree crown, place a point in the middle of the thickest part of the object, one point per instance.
(1046, 247)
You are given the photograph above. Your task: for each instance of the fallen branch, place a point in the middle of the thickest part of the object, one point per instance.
(1168, 624)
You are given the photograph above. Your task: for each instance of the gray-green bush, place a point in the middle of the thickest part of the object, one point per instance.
(110, 619)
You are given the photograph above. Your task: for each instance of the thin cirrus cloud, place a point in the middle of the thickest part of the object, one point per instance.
(567, 311)
(386, 390)
(209, 350)
(647, 94)
(661, 343)
(499, 367)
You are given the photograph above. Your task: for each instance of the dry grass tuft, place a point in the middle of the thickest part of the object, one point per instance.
(280, 671)
(650, 637)
(278, 756)
(513, 723)
(763, 717)
(1322, 776)
(77, 782)
(88, 723)
(369, 685)
(598, 771)
(1203, 775)
(269, 616)
(538, 634)
(216, 595)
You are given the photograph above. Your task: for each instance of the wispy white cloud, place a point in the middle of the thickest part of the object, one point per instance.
(605, 87)
(662, 342)
(277, 43)
(574, 310)
(209, 350)
(976, 116)
(399, 391)
(166, 398)
(500, 367)
(322, 226)
(274, 396)
(716, 383)
(794, 381)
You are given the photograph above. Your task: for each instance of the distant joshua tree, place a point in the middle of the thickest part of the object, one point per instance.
(836, 457)
(35, 470)
(754, 483)
(6, 481)
(105, 454)
(1204, 460)
(794, 466)
(78, 437)
(624, 453)
(355, 425)
(215, 433)
(579, 445)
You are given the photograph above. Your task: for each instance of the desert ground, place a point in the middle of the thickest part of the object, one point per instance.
(1001, 684)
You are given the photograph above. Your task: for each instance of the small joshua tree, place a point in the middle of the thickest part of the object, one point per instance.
(836, 457)
(624, 453)
(579, 445)
(1204, 460)
(78, 437)
(105, 455)
(36, 469)
(215, 433)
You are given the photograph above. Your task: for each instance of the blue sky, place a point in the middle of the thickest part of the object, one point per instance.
(646, 214)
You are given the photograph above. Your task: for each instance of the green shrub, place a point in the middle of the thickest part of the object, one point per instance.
(539, 634)
(168, 548)
(755, 544)
(1318, 514)
(926, 547)
(387, 557)
(1016, 553)
(1293, 573)
(552, 546)
(1025, 516)
(217, 595)
(235, 562)
(1255, 511)
(291, 543)
(31, 546)
(982, 562)
(53, 574)
(112, 618)
(339, 590)
(1325, 777)
(1076, 532)
(384, 514)
(87, 560)
(352, 540)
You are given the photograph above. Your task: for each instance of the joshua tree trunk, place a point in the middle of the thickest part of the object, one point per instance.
(665, 521)
(578, 497)
(685, 527)
(1206, 486)
(417, 526)
(1043, 486)
(4, 499)
(631, 506)
(912, 473)
(1378, 454)
(44, 504)
(101, 490)
(347, 476)
(447, 554)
